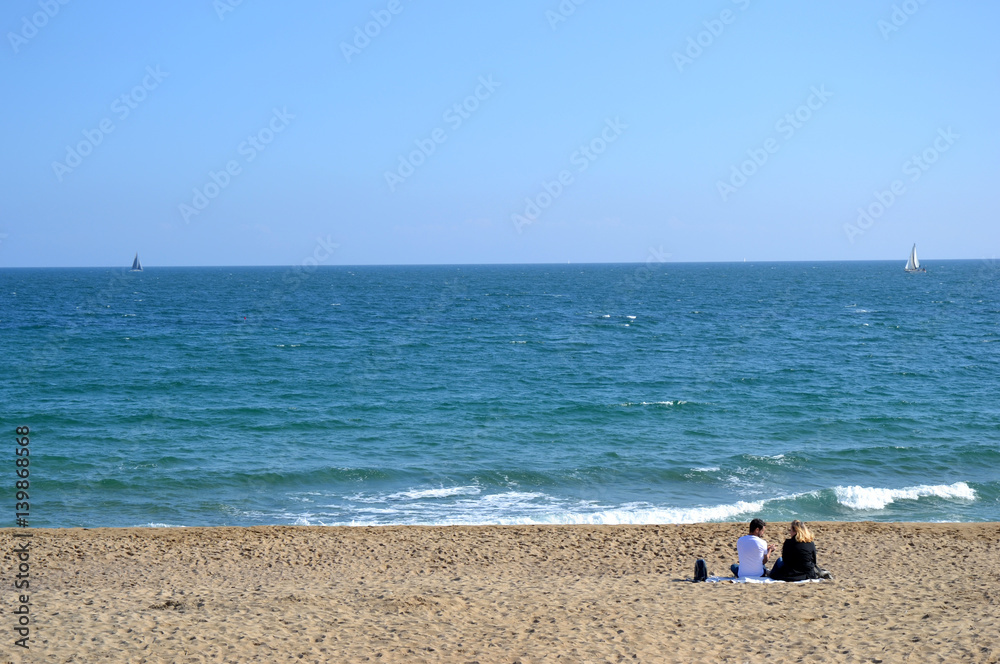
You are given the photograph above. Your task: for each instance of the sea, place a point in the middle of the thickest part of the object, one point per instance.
(502, 394)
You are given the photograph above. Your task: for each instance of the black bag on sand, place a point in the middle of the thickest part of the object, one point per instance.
(700, 570)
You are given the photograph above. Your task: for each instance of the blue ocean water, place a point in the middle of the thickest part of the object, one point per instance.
(504, 394)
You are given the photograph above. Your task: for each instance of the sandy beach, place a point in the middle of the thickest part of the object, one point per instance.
(900, 593)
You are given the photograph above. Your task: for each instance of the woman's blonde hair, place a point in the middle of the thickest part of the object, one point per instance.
(802, 533)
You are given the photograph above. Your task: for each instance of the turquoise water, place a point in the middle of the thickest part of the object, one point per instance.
(505, 394)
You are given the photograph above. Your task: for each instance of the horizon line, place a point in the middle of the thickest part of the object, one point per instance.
(694, 262)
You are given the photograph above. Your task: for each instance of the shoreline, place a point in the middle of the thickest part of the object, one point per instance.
(9, 530)
(54, 529)
(901, 591)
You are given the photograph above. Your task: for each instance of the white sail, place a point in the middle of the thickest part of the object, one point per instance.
(913, 263)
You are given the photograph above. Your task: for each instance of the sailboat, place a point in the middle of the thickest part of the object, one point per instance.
(913, 265)
(136, 265)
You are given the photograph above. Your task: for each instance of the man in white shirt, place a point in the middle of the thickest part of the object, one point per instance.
(753, 552)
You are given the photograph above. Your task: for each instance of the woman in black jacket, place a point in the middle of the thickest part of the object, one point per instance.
(798, 556)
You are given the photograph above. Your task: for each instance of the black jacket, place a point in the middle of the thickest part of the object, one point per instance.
(798, 561)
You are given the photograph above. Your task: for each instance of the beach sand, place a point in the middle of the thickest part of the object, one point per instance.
(900, 593)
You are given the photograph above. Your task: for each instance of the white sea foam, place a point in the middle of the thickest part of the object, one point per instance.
(525, 508)
(366, 498)
(474, 505)
(636, 514)
(631, 513)
(626, 404)
(508, 498)
(875, 498)
(776, 459)
(706, 469)
(442, 492)
(160, 525)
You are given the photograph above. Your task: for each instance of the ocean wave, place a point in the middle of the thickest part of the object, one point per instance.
(160, 525)
(442, 492)
(628, 404)
(636, 515)
(523, 508)
(875, 498)
(473, 505)
(508, 499)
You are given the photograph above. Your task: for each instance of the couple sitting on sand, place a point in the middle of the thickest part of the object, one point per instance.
(798, 555)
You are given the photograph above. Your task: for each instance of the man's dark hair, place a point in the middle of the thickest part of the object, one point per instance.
(757, 523)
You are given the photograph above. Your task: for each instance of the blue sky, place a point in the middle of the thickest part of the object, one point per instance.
(206, 132)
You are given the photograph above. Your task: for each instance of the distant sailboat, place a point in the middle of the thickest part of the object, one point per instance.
(136, 265)
(913, 265)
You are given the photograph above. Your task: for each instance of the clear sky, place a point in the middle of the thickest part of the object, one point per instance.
(228, 132)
